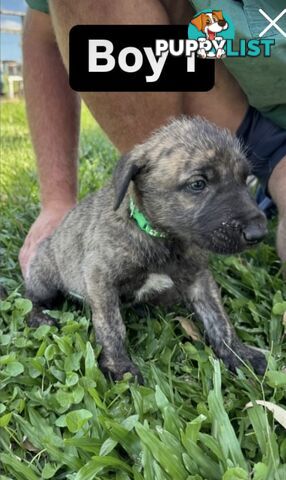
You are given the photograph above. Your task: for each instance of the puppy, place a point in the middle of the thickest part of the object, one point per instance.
(211, 24)
(172, 200)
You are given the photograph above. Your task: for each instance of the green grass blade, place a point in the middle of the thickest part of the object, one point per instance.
(223, 430)
(28, 472)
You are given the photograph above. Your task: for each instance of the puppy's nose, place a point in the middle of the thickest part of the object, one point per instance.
(221, 23)
(254, 233)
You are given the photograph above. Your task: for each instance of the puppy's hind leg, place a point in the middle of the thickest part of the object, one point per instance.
(110, 330)
(43, 289)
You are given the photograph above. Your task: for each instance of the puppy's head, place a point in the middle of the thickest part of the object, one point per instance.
(189, 179)
(210, 23)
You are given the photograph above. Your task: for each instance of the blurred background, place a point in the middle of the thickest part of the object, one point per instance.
(12, 14)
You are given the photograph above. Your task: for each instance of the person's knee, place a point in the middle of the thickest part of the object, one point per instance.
(98, 10)
(103, 12)
(276, 187)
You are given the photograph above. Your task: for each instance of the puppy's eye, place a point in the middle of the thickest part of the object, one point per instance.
(196, 186)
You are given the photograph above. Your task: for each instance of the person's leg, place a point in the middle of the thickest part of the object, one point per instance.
(277, 189)
(225, 104)
(128, 118)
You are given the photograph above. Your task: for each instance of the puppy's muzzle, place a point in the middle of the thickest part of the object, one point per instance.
(255, 231)
(239, 233)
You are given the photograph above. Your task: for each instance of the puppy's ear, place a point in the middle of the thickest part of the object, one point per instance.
(218, 14)
(198, 22)
(125, 171)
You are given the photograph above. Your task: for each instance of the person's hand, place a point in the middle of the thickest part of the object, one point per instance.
(44, 226)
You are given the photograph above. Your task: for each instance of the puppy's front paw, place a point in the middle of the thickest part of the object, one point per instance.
(256, 359)
(128, 367)
(116, 369)
(248, 355)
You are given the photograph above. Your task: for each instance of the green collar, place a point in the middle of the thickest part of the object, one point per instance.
(142, 221)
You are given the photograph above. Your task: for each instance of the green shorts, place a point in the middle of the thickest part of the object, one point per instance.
(40, 5)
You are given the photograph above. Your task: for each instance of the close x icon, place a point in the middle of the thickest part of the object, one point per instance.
(272, 23)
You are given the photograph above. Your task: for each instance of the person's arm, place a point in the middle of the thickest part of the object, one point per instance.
(277, 189)
(53, 110)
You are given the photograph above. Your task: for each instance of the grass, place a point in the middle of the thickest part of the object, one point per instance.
(61, 419)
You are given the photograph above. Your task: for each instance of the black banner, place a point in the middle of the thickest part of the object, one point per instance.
(122, 58)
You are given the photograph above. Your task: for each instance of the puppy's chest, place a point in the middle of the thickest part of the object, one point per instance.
(146, 283)
(145, 286)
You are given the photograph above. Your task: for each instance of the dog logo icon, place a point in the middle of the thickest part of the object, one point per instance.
(211, 24)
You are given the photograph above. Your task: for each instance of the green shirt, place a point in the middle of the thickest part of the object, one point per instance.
(40, 5)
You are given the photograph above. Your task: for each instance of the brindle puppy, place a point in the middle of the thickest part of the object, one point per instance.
(189, 180)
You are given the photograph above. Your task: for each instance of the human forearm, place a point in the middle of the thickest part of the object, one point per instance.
(53, 113)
